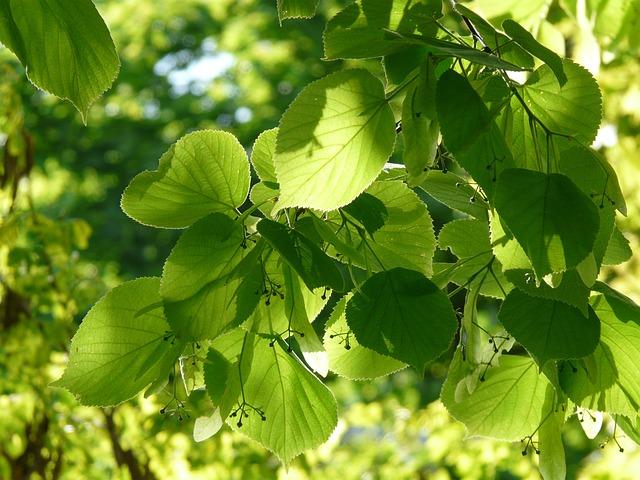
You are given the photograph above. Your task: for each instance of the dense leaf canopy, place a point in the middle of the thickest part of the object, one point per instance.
(356, 189)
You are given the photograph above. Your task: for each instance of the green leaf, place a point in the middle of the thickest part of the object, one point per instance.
(402, 66)
(206, 427)
(507, 405)
(451, 49)
(473, 273)
(209, 250)
(359, 30)
(265, 195)
(333, 141)
(465, 237)
(548, 329)
(367, 212)
(347, 357)
(123, 344)
(593, 174)
(575, 109)
(299, 323)
(571, 289)
(456, 193)
(555, 223)
(300, 411)
(217, 371)
(273, 317)
(526, 13)
(404, 239)
(629, 427)
(66, 51)
(497, 41)
(618, 249)
(262, 155)
(552, 459)
(222, 380)
(506, 248)
(220, 304)
(469, 131)
(477, 268)
(296, 9)
(615, 385)
(203, 172)
(402, 314)
(420, 127)
(313, 265)
(526, 40)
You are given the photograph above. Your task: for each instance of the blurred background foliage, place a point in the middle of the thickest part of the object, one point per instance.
(228, 64)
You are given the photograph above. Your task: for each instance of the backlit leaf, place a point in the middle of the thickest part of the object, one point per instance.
(470, 132)
(203, 172)
(507, 405)
(548, 329)
(347, 357)
(402, 314)
(333, 141)
(66, 51)
(122, 345)
(615, 386)
(555, 223)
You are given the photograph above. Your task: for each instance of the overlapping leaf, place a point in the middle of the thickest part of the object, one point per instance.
(526, 40)
(507, 405)
(386, 227)
(548, 329)
(210, 249)
(361, 29)
(555, 223)
(122, 345)
(300, 412)
(420, 127)
(402, 314)
(456, 193)
(470, 132)
(314, 267)
(203, 172)
(333, 141)
(573, 110)
(608, 381)
(347, 357)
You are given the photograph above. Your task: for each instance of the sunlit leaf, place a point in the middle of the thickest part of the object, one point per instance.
(420, 127)
(262, 154)
(526, 40)
(122, 345)
(347, 357)
(360, 29)
(404, 236)
(615, 386)
(470, 132)
(66, 51)
(296, 8)
(507, 405)
(454, 192)
(333, 141)
(555, 223)
(300, 412)
(314, 267)
(203, 172)
(210, 249)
